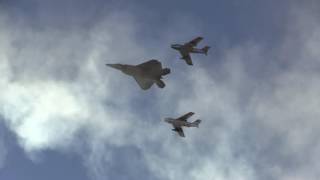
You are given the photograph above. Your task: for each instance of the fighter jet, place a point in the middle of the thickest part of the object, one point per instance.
(145, 74)
(182, 121)
(188, 48)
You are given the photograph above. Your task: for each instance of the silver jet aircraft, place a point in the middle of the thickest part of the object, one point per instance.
(145, 74)
(182, 121)
(188, 48)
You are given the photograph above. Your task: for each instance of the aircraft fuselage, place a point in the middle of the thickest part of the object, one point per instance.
(186, 48)
(132, 70)
(178, 123)
(146, 74)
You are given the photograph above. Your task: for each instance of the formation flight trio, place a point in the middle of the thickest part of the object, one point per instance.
(150, 72)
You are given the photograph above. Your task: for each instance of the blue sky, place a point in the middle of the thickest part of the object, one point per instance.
(64, 115)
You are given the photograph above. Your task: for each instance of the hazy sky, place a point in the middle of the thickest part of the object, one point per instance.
(65, 115)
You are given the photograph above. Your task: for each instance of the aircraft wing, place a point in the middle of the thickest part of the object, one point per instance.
(186, 56)
(151, 65)
(188, 60)
(143, 83)
(186, 116)
(179, 130)
(195, 41)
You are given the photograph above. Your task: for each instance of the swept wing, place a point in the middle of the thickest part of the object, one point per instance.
(186, 116)
(152, 65)
(143, 82)
(179, 130)
(187, 58)
(195, 41)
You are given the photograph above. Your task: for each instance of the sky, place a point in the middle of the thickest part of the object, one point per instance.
(65, 115)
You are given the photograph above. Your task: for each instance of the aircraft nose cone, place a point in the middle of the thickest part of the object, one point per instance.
(116, 66)
(167, 120)
(175, 46)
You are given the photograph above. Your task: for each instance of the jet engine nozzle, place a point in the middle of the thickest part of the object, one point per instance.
(165, 71)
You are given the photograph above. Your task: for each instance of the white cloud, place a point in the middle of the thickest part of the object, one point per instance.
(55, 85)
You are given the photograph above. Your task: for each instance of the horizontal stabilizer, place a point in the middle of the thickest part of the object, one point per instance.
(160, 84)
(196, 123)
(206, 49)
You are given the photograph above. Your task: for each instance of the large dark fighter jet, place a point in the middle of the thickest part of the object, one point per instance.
(182, 121)
(188, 48)
(145, 74)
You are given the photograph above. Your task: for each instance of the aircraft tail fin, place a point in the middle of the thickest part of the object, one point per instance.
(165, 71)
(206, 49)
(160, 84)
(196, 123)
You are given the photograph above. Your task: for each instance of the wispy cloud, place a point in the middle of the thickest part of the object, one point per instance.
(57, 94)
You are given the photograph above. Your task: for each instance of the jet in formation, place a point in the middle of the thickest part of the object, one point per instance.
(178, 123)
(146, 74)
(190, 47)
